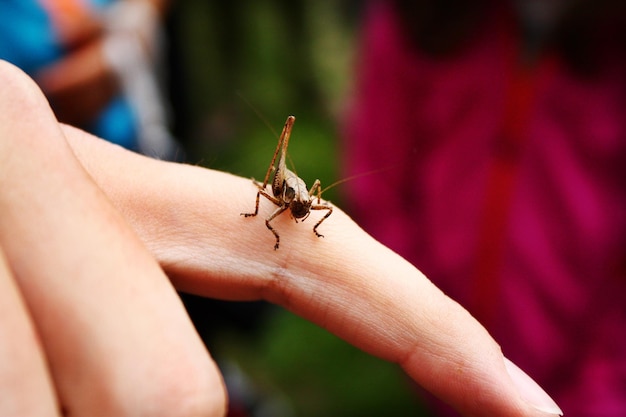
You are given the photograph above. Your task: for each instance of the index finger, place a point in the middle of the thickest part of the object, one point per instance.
(347, 282)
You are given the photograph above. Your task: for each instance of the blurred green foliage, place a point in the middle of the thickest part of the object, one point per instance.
(283, 57)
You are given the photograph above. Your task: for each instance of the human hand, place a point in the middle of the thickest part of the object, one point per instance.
(70, 242)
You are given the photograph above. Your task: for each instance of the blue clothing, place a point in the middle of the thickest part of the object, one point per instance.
(28, 40)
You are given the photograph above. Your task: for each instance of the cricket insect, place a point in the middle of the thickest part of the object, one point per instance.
(289, 191)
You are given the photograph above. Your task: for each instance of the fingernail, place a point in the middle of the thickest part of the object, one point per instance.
(530, 391)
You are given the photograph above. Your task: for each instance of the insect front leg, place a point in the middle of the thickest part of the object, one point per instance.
(321, 207)
(316, 188)
(276, 213)
(258, 196)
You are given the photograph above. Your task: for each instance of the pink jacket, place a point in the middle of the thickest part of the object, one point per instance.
(508, 189)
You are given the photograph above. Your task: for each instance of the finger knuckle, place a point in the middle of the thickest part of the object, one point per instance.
(190, 391)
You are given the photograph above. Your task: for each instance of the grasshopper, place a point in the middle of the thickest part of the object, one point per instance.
(289, 191)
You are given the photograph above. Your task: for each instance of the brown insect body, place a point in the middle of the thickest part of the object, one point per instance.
(294, 193)
(289, 191)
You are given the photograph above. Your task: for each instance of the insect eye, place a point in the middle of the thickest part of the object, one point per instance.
(290, 193)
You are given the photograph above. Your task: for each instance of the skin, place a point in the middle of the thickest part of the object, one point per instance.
(94, 239)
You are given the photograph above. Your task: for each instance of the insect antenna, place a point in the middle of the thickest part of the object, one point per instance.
(354, 177)
(260, 115)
